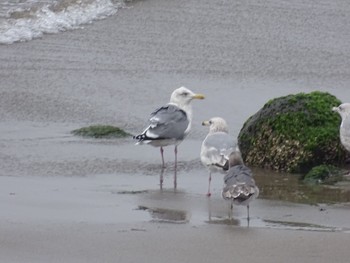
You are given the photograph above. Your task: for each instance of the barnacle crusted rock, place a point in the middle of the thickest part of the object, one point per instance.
(293, 133)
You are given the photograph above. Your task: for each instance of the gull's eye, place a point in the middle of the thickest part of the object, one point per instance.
(185, 93)
(341, 108)
(210, 122)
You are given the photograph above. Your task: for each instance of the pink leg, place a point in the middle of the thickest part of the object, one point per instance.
(161, 152)
(175, 167)
(209, 193)
(175, 151)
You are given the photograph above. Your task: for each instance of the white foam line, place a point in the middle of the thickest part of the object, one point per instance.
(47, 21)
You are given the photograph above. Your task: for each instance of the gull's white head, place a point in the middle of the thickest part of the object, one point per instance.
(183, 96)
(343, 110)
(216, 124)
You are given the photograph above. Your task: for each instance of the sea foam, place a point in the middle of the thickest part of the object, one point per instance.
(27, 24)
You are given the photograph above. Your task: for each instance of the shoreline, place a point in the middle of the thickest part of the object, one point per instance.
(69, 199)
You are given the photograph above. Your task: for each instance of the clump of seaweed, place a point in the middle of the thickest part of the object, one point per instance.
(293, 133)
(101, 131)
(324, 174)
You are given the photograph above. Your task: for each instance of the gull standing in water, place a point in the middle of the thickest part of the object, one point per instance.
(216, 147)
(169, 124)
(239, 185)
(344, 112)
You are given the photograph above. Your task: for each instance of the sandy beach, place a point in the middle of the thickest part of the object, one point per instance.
(69, 199)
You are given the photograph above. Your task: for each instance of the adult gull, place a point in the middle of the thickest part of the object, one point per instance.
(216, 147)
(239, 185)
(169, 124)
(344, 131)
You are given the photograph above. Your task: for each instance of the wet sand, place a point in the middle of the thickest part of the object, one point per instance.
(68, 199)
(170, 243)
(112, 218)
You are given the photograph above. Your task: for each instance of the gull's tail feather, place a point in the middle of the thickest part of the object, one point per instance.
(240, 194)
(141, 138)
(224, 167)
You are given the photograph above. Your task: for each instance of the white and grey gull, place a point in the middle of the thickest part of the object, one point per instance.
(216, 147)
(239, 185)
(170, 124)
(344, 130)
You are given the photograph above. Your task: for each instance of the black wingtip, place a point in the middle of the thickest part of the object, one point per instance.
(139, 137)
(224, 167)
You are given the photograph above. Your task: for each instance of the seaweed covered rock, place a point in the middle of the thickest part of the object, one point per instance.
(293, 133)
(101, 131)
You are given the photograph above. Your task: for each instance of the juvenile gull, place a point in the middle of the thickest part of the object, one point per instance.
(169, 124)
(216, 147)
(239, 185)
(344, 112)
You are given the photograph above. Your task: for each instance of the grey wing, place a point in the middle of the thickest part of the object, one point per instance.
(239, 174)
(345, 133)
(239, 184)
(217, 147)
(168, 122)
(346, 127)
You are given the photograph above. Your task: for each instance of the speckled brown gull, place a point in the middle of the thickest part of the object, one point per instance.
(239, 185)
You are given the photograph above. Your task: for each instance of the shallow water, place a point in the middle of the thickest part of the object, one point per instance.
(117, 70)
(52, 176)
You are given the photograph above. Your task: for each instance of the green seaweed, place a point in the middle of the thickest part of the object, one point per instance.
(293, 133)
(101, 131)
(324, 174)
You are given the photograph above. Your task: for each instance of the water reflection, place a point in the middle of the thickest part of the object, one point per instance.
(161, 178)
(299, 226)
(166, 215)
(287, 187)
(225, 221)
(220, 213)
(190, 205)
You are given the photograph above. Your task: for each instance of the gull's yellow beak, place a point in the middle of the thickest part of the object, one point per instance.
(198, 96)
(205, 123)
